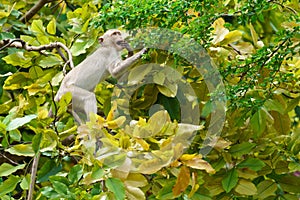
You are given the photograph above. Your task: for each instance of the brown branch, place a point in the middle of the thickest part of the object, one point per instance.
(33, 175)
(34, 10)
(21, 44)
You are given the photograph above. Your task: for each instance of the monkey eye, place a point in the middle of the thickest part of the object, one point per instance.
(116, 33)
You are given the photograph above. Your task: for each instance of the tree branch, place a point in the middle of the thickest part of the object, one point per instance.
(34, 10)
(21, 44)
(33, 175)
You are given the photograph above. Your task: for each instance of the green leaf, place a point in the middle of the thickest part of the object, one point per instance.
(273, 104)
(252, 163)
(18, 59)
(266, 188)
(15, 135)
(60, 187)
(25, 182)
(49, 192)
(17, 122)
(282, 123)
(21, 150)
(37, 27)
(230, 180)
(75, 173)
(231, 37)
(166, 192)
(116, 186)
(36, 141)
(246, 187)
(49, 168)
(290, 183)
(9, 185)
(49, 61)
(80, 46)
(258, 122)
(241, 149)
(51, 27)
(7, 169)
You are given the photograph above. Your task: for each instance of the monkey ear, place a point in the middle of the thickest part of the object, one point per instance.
(100, 40)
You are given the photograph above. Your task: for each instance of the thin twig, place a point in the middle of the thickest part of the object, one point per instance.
(55, 107)
(33, 175)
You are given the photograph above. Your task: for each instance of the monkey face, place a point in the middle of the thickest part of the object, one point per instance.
(114, 38)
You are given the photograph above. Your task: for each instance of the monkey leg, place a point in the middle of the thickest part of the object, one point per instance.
(83, 103)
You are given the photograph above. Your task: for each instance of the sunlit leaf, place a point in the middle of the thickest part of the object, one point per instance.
(25, 182)
(253, 34)
(18, 59)
(37, 27)
(9, 185)
(49, 61)
(21, 150)
(231, 37)
(134, 193)
(51, 27)
(136, 180)
(219, 30)
(7, 169)
(169, 90)
(198, 163)
(16, 123)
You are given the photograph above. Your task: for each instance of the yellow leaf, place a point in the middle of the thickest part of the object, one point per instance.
(134, 193)
(199, 163)
(253, 34)
(219, 30)
(42, 113)
(110, 115)
(158, 120)
(231, 37)
(245, 187)
(136, 180)
(143, 143)
(51, 27)
(182, 181)
(186, 157)
(116, 123)
(21, 150)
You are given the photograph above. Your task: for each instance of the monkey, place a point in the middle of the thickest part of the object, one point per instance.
(82, 80)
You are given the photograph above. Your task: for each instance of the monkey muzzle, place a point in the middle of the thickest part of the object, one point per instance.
(125, 45)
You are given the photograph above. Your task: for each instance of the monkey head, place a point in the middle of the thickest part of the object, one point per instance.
(113, 38)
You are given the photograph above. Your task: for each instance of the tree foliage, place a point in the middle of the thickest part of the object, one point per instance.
(254, 45)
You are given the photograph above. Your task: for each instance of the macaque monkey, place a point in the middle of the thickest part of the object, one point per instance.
(82, 80)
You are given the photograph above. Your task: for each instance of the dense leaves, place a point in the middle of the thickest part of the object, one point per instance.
(156, 133)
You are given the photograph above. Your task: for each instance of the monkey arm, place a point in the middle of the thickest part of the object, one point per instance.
(117, 69)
